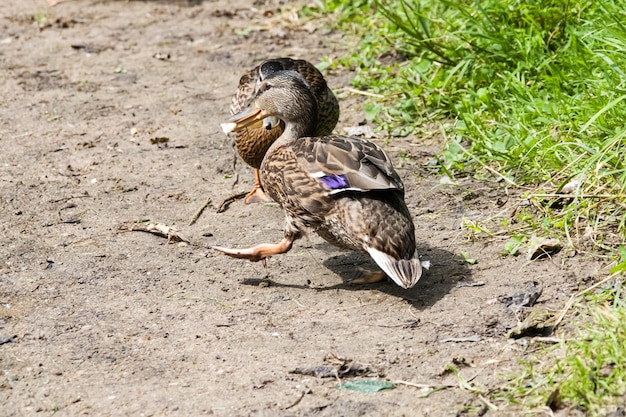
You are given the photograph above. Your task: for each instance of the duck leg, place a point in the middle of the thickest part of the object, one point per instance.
(257, 195)
(259, 252)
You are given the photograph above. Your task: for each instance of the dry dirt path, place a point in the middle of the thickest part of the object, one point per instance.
(109, 114)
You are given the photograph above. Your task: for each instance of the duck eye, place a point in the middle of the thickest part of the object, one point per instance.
(264, 87)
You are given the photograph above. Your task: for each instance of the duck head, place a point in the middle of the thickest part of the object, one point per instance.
(283, 95)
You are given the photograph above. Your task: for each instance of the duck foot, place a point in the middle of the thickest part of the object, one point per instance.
(259, 252)
(257, 195)
(364, 276)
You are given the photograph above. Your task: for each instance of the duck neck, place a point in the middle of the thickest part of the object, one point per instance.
(300, 129)
(294, 130)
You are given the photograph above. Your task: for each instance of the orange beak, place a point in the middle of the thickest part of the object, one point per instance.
(252, 116)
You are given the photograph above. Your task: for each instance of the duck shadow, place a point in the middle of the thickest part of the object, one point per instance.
(445, 272)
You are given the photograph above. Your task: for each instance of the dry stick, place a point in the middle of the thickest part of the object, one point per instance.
(158, 229)
(422, 386)
(363, 93)
(547, 339)
(488, 168)
(573, 298)
(70, 198)
(491, 406)
(198, 212)
(562, 195)
(226, 202)
(564, 169)
(296, 402)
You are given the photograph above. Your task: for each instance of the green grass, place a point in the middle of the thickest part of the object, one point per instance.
(587, 370)
(531, 95)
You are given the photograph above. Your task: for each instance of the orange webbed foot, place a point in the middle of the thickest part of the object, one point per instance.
(259, 252)
(257, 195)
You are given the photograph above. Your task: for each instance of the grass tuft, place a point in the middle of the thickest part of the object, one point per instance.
(587, 370)
(530, 94)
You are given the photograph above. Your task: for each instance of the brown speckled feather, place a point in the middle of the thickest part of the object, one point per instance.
(253, 143)
(368, 211)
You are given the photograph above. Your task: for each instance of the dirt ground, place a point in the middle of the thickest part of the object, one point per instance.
(110, 115)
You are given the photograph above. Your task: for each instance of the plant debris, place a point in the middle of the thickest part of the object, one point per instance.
(296, 402)
(536, 324)
(338, 367)
(159, 141)
(198, 212)
(5, 340)
(539, 248)
(366, 386)
(223, 206)
(461, 284)
(159, 229)
(473, 338)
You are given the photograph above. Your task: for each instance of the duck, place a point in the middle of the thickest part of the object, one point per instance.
(253, 142)
(344, 188)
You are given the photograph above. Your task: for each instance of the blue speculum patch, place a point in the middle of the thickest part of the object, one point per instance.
(334, 181)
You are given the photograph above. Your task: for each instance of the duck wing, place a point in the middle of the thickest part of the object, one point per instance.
(344, 163)
(246, 90)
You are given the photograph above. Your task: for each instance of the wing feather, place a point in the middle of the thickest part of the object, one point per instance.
(344, 163)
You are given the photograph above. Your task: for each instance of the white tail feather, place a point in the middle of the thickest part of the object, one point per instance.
(404, 272)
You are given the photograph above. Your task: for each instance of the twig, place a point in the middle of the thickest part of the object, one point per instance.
(470, 284)
(298, 303)
(487, 167)
(487, 403)
(547, 339)
(226, 202)
(158, 229)
(562, 195)
(363, 93)
(422, 386)
(70, 198)
(198, 212)
(473, 338)
(296, 402)
(573, 298)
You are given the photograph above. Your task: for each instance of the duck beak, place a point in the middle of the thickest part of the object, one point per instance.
(252, 116)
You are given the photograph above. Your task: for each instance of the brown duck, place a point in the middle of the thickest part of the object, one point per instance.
(253, 142)
(344, 188)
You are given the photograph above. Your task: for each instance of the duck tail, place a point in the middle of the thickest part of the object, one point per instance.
(404, 272)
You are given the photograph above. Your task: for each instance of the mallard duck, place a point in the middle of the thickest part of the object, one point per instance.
(344, 188)
(253, 142)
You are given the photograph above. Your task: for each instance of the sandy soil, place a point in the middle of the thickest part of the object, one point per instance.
(110, 115)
